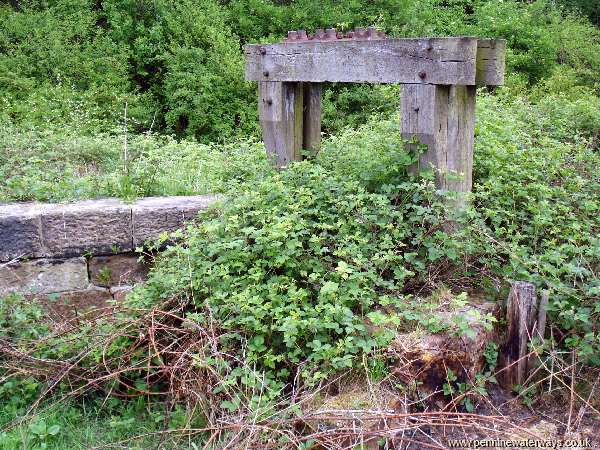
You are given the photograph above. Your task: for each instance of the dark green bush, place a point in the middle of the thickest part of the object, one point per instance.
(176, 66)
(591, 8)
(187, 59)
(57, 67)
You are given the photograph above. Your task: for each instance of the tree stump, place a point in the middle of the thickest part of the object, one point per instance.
(521, 320)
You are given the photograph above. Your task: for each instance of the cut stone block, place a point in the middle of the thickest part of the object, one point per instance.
(120, 292)
(154, 215)
(116, 270)
(96, 226)
(20, 231)
(44, 276)
(66, 305)
(91, 227)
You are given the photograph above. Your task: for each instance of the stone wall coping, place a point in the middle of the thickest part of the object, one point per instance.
(91, 227)
(33, 208)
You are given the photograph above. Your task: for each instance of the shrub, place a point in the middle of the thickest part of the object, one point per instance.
(175, 65)
(537, 194)
(291, 267)
(57, 67)
(188, 60)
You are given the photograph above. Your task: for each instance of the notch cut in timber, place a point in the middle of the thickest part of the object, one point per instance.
(439, 78)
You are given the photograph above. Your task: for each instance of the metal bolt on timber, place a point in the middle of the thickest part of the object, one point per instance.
(439, 78)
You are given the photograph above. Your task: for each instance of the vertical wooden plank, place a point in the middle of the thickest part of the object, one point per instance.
(443, 118)
(461, 137)
(520, 316)
(281, 117)
(313, 93)
(424, 110)
(541, 318)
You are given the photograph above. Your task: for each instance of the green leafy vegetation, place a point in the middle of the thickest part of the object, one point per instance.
(301, 275)
(292, 266)
(178, 68)
(52, 165)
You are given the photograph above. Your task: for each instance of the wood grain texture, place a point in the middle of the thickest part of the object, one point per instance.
(430, 60)
(281, 117)
(313, 93)
(460, 140)
(520, 316)
(490, 62)
(443, 119)
(541, 318)
(423, 113)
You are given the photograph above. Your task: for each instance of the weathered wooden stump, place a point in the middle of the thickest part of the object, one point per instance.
(439, 78)
(526, 322)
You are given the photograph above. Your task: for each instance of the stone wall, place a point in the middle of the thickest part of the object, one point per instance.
(84, 252)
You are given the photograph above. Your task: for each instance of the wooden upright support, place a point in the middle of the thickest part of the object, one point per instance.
(443, 119)
(521, 318)
(290, 117)
(439, 77)
(313, 93)
(281, 114)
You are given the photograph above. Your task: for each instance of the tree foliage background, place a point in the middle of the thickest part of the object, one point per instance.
(178, 66)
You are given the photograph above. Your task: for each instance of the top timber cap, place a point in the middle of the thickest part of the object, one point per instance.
(331, 34)
(365, 55)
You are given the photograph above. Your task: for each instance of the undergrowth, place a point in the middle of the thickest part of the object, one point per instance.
(303, 274)
(64, 165)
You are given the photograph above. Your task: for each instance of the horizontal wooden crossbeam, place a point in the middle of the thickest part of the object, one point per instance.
(443, 61)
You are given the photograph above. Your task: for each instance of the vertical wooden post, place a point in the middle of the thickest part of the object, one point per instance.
(423, 113)
(540, 328)
(521, 317)
(313, 93)
(461, 138)
(281, 116)
(442, 118)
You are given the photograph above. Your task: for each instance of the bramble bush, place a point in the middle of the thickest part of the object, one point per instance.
(537, 205)
(292, 267)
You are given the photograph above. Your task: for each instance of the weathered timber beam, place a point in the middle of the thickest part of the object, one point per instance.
(313, 94)
(490, 62)
(280, 111)
(443, 119)
(446, 61)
